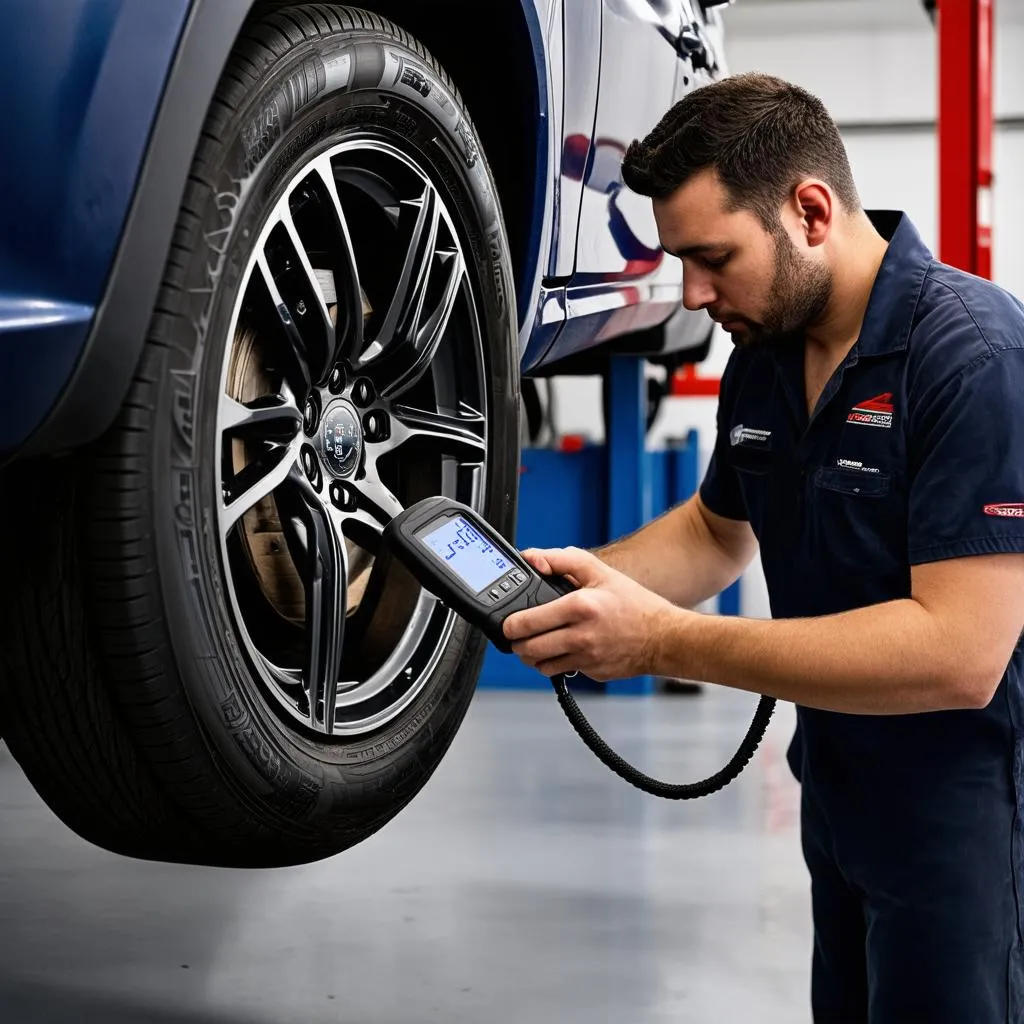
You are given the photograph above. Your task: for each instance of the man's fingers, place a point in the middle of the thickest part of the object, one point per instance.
(543, 619)
(558, 666)
(550, 646)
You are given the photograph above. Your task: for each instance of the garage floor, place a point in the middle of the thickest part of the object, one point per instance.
(526, 884)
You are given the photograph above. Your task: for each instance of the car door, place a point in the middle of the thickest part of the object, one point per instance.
(652, 53)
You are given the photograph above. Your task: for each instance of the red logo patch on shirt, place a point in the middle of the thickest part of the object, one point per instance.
(1009, 510)
(874, 412)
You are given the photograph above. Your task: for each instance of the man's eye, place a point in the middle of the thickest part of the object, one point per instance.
(715, 261)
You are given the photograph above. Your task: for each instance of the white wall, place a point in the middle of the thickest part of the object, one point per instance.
(873, 63)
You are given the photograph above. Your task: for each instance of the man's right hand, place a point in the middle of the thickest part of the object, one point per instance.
(609, 628)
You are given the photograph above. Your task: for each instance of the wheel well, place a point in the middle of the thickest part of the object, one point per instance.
(491, 60)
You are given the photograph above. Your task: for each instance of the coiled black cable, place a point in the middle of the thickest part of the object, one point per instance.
(680, 791)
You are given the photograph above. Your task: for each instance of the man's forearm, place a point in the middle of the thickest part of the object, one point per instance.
(675, 556)
(891, 658)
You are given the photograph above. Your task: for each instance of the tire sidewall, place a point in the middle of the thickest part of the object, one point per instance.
(304, 106)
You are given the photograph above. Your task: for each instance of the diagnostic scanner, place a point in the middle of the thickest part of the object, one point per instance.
(466, 563)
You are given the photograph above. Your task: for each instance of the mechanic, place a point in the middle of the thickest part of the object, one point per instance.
(870, 441)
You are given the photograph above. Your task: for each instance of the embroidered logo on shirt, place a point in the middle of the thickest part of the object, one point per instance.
(748, 435)
(859, 466)
(1006, 511)
(875, 412)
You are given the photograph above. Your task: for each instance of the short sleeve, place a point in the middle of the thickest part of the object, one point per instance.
(720, 489)
(966, 463)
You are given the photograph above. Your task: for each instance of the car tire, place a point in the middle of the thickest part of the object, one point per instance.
(167, 680)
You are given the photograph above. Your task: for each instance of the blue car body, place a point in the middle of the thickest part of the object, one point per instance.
(104, 103)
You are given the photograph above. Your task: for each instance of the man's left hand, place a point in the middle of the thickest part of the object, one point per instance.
(611, 628)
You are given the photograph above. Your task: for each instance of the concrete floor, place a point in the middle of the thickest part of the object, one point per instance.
(526, 885)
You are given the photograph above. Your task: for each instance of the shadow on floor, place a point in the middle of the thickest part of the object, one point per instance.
(22, 1003)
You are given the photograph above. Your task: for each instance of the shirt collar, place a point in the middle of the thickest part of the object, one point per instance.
(897, 287)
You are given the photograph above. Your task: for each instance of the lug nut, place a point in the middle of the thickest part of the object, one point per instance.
(309, 417)
(309, 464)
(376, 426)
(363, 393)
(342, 497)
(336, 381)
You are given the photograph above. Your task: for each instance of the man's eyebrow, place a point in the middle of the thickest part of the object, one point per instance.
(693, 250)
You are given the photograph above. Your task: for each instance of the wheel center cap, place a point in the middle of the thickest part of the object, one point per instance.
(342, 439)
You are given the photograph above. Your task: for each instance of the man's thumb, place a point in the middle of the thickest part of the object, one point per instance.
(586, 569)
(537, 559)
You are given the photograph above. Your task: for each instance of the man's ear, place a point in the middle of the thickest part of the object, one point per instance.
(815, 207)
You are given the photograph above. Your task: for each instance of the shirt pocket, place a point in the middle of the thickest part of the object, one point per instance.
(851, 481)
(860, 523)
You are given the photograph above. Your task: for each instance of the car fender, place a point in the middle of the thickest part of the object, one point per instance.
(83, 393)
(71, 400)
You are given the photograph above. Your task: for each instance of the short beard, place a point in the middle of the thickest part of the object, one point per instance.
(800, 293)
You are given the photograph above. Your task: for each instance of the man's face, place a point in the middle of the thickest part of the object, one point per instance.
(757, 284)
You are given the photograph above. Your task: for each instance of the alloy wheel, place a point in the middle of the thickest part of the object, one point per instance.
(354, 384)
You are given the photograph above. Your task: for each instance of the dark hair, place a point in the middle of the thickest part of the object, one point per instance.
(760, 134)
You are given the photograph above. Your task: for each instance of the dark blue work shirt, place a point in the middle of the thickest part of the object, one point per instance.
(915, 453)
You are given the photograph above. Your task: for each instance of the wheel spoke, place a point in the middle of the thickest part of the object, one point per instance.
(417, 351)
(328, 357)
(462, 436)
(325, 575)
(254, 483)
(376, 499)
(296, 370)
(268, 415)
(376, 586)
(349, 328)
(407, 304)
(411, 331)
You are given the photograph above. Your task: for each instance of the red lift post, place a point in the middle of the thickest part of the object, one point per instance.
(965, 134)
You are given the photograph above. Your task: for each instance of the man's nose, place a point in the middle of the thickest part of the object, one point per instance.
(698, 292)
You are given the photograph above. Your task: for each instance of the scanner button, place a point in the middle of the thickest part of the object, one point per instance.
(518, 577)
(495, 593)
(505, 585)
